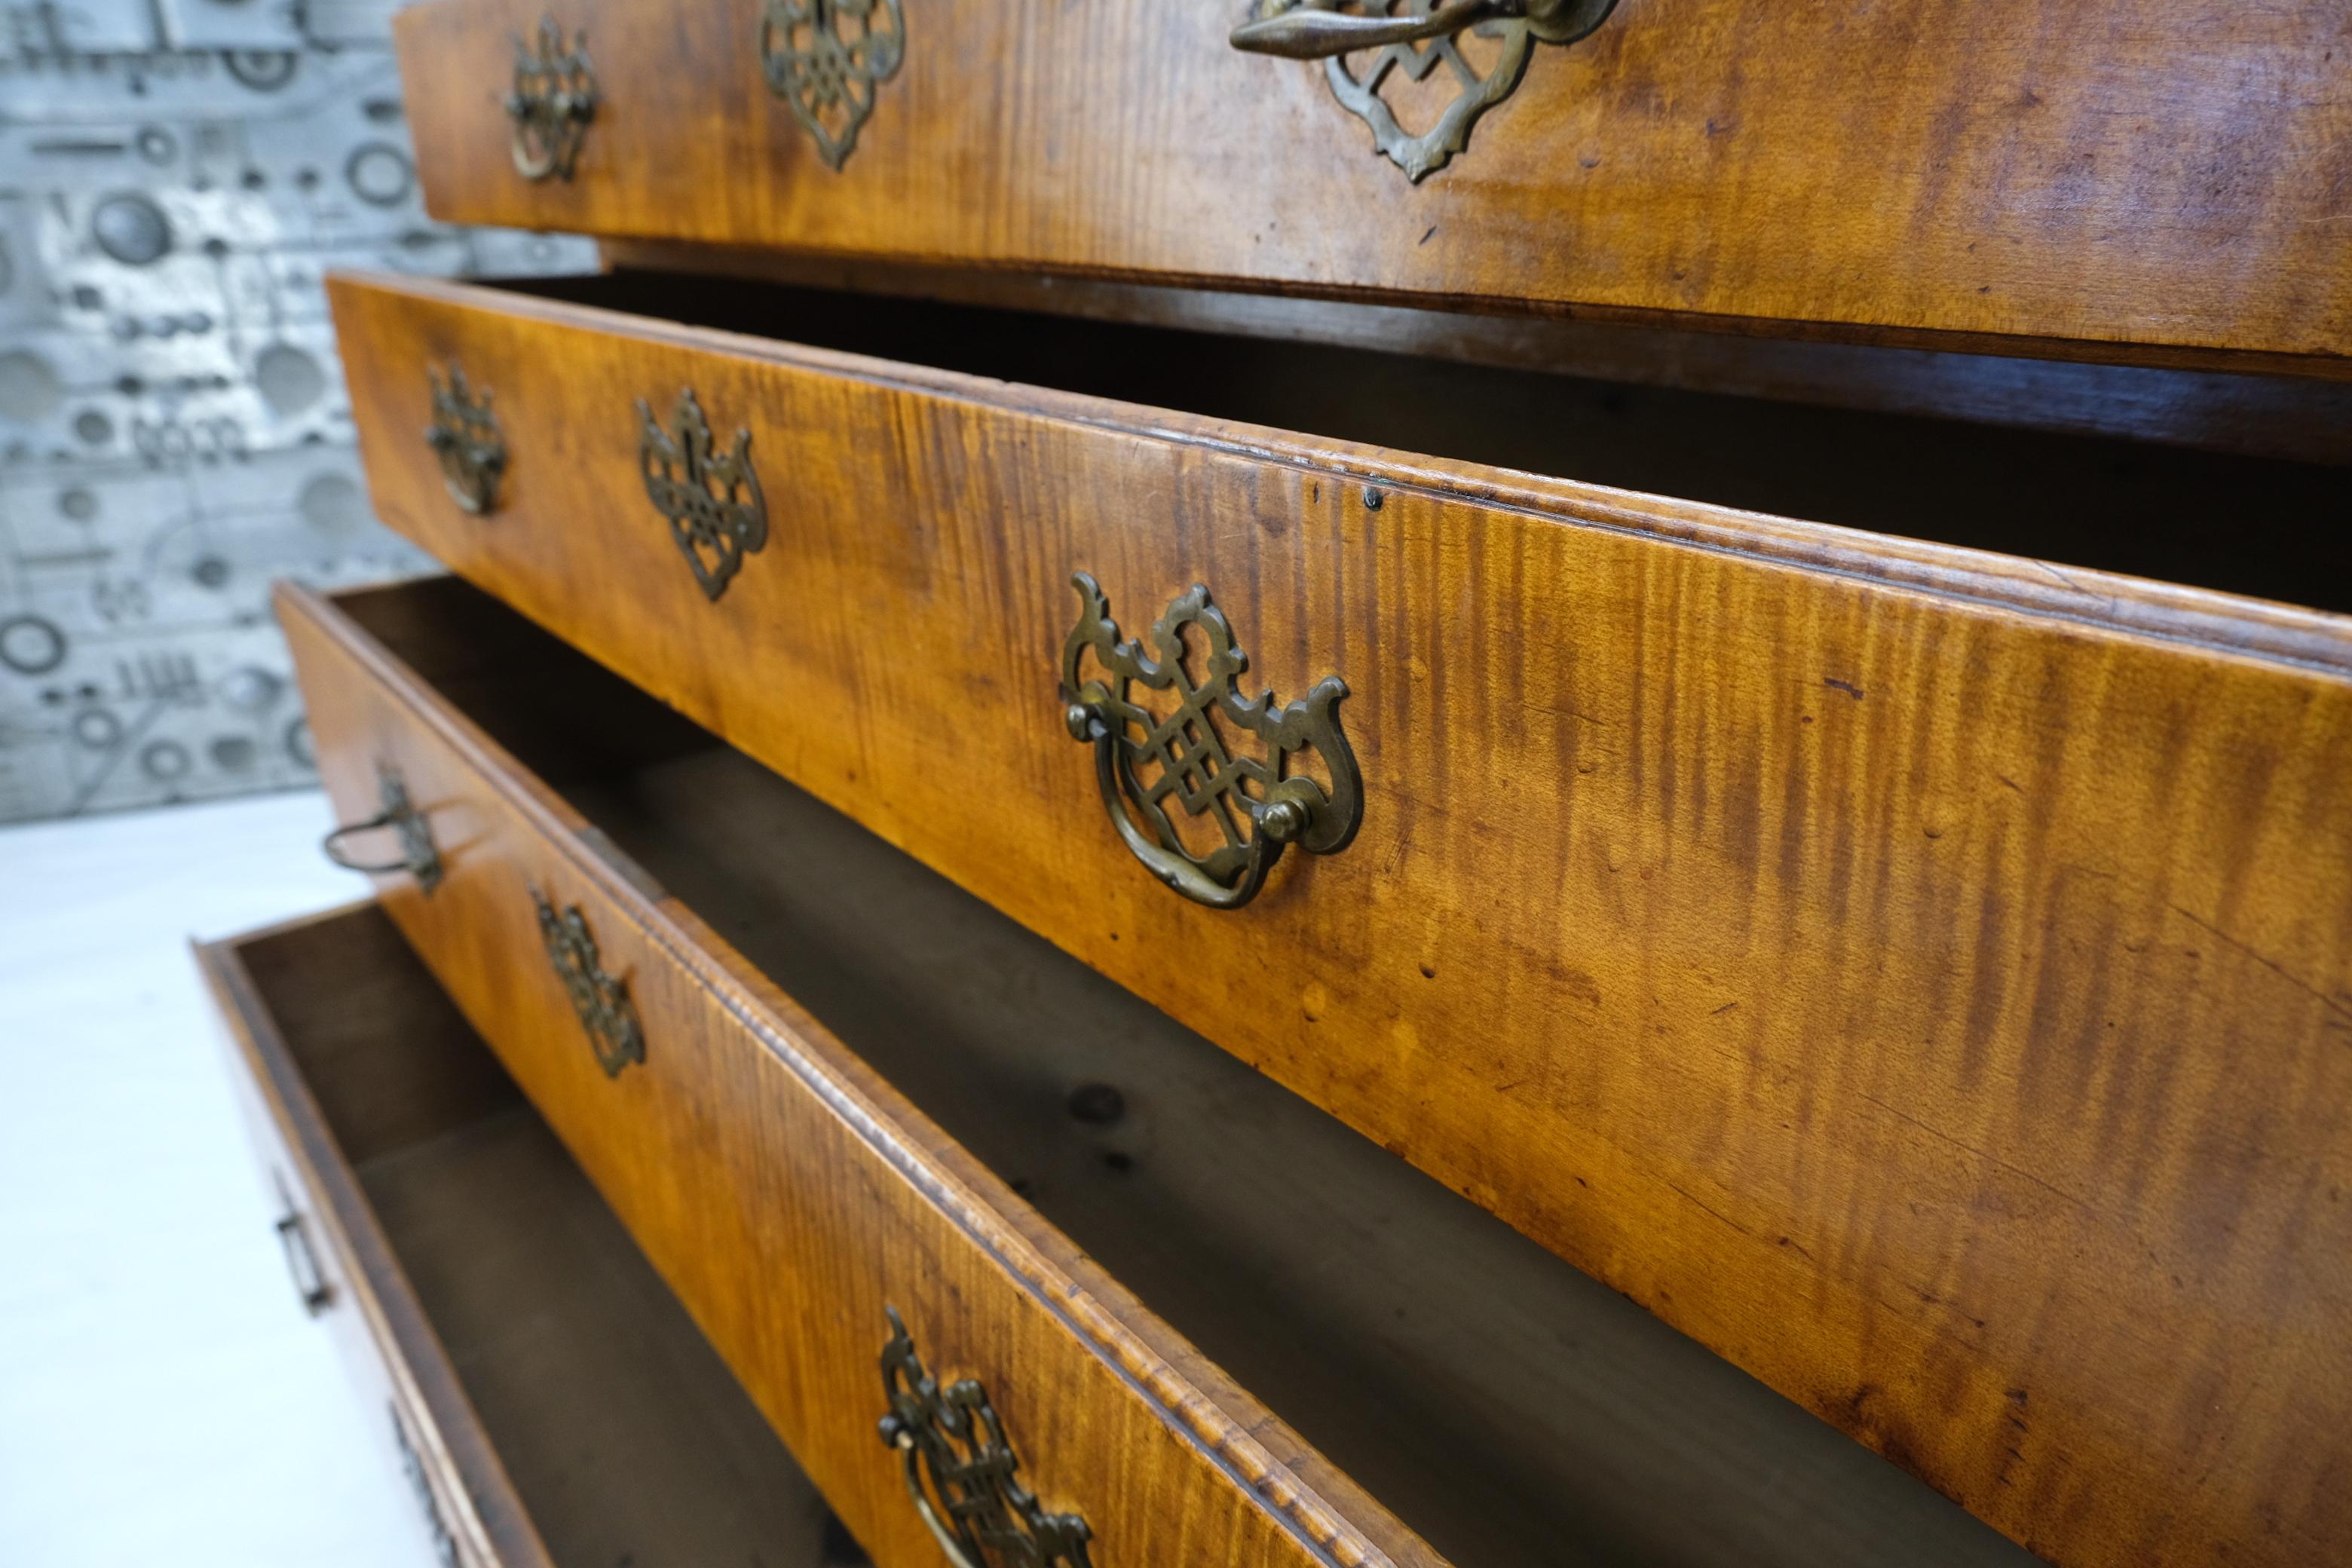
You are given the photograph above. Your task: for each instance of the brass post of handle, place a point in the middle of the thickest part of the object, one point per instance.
(1313, 33)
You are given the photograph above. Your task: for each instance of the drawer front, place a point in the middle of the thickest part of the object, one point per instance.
(344, 1271)
(1920, 977)
(1701, 159)
(790, 1198)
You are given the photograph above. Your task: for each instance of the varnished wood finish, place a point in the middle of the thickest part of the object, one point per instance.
(788, 1194)
(2259, 415)
(1918, 976)
(2160, 179)
(560, 1403)
(1496, 1399)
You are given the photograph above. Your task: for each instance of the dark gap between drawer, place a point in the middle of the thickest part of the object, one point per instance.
(2268, 527)
(626, 1435)
(1512, 1410)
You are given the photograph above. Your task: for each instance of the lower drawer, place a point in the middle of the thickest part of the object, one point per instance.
(549, 1401)
(816, 1081)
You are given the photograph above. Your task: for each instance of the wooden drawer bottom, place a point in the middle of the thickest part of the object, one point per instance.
(550, 1399)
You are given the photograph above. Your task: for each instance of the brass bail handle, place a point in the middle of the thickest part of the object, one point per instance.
(408, 826)
(1313, 32)
(332, 845)
(949, 1547)
(1273, 824)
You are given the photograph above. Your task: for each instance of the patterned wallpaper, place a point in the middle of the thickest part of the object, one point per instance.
(175, 176)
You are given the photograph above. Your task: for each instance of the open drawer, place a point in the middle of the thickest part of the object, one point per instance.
(1920, 973)
(549, 1401)
(821, 1086)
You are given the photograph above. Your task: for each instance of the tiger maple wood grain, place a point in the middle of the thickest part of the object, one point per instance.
(1918, 975)
(1380, 1315)
(2158, 179)
(787, 1195)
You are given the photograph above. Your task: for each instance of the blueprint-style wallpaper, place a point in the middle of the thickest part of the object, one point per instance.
(175, 177)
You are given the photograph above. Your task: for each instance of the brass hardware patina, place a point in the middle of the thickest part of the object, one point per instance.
(553, 101)
(301, 1262)
(960, 1470)
(601, 1000)
(715, 510)
(1144, 759)
(1415, 37)
(463, 435)
(828, 59)
(408, 828)
(444, 1545)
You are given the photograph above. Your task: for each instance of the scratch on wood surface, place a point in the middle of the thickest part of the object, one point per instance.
(1963, 1143)
(2267, 961)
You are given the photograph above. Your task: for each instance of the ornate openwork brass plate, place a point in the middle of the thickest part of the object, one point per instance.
(1410, 39)
(601, 1000)
(463, 435)
(828, 59)
(715, 510)
(1181, 786)
(960, 1470)
(553, 101)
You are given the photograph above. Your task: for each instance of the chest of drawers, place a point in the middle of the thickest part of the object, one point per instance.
(1058, 726)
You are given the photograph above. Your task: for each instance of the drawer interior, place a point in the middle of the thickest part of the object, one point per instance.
(2262, 527)
(1505, 1406)
(625, 1434)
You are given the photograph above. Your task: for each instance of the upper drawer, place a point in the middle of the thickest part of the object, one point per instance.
(2132, 179)
(1921, 975)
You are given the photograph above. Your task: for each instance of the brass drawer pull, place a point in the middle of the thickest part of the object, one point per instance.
(553, 101)
(1144, 761)
(463, 435)
(960, 1470)
(716, 512)
(294, 1241)
(828, 59)
(1313, 30)
(601, 1000)
(407, 825)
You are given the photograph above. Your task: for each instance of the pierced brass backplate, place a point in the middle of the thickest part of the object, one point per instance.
(601, 1000)
(553, 101)
(1145, 760)
(960, 1470)
(1411, 38)
(715, 510)
(444, 1545)
(409, 827)
(828, 59)
(463, 435)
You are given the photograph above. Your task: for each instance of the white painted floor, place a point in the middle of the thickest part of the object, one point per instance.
(163, 1400)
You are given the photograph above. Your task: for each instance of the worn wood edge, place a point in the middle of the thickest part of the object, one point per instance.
(2106, 601)
(440, 1415)
(2080, 398)
(1177, 1381)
